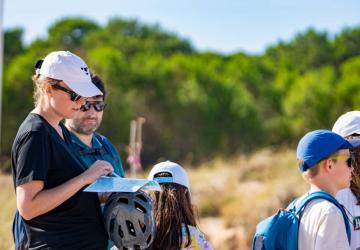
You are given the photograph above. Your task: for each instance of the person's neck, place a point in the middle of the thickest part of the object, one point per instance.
(323, 186)
(52, 118)
(85, 138)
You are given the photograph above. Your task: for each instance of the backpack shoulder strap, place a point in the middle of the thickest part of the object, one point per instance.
(325, 196)
(292, 205)
(111, 150)
(105, 142)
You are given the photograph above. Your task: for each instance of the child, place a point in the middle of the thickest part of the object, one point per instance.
(348, 126)
(325, 163)
(175, 219)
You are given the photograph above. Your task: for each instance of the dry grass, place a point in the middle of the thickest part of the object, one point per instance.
(241, 191)
(7, 201)
(232, 196)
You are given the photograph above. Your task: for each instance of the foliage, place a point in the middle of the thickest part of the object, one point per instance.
(197, 104)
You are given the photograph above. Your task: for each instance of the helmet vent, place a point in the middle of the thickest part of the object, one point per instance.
(142, 197)
(149, 239)
(131, 228)
(142, 226)
(121, 233)
(139, 207)
(112, 223)
(123, 200)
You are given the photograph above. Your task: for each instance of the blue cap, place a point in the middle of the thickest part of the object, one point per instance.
(317, 145)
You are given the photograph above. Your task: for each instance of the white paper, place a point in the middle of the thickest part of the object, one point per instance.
(119, 184)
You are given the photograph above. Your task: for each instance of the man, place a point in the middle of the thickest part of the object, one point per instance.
(325, 163)
(348, 126)
(88, 145)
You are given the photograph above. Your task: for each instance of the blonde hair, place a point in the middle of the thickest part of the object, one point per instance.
(314, 171)
(40, 81)
(311, 172)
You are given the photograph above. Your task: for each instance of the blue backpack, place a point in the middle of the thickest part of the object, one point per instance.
(280, 231)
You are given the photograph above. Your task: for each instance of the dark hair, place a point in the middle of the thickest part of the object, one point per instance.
(355, 174)
(173, 209)
(98, 83)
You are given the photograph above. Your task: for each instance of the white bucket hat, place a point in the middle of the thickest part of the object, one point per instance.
(178, 173)
(68, 67)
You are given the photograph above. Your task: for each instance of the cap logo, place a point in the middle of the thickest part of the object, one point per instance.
(85, 69)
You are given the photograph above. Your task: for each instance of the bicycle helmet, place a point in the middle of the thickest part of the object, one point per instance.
(129, 220)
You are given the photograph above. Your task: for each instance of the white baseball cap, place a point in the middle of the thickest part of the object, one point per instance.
(68, 67)
(178, 173)
(348, 124)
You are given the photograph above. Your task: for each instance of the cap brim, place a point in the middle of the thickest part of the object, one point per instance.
(354, 142)
(85, 89)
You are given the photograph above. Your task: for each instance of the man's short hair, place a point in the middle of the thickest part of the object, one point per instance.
(98, 83)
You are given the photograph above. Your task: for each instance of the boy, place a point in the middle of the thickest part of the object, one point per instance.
(325, 163)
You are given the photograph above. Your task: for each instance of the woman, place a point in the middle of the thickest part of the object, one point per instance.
(47, 176)
(348, 126)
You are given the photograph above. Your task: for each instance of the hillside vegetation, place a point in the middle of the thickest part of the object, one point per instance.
(197, 105)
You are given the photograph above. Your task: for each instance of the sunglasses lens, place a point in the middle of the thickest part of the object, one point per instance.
(99, 106)
(85, 107)
(75, 97)
(348, 162)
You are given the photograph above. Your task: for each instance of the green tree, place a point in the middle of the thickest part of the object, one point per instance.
(13, 44)
(309, 103)
(18, 91)
(308, 50)
(347, 44)
(348, 87)
(112, 67)
(69, 33)
(131, 37)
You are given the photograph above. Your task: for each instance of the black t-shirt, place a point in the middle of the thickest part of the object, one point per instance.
(39, 153)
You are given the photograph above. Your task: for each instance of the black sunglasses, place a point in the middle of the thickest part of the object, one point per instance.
(347, 159)
(348, 162)
(73, 96)
(97, 105)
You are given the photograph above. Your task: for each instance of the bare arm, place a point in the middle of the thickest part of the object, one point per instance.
(32, 200)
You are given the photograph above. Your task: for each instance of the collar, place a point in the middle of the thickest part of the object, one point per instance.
(94, 142)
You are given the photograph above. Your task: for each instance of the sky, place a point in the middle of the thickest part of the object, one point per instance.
(225, 26)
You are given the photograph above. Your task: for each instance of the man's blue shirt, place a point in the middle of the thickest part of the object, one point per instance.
(98, 151)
